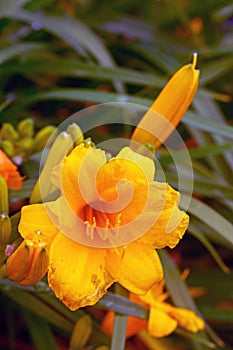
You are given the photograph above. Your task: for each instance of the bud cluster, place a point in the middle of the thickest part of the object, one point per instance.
(22, 141)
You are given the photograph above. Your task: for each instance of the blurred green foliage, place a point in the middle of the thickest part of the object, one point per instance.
(58, 57)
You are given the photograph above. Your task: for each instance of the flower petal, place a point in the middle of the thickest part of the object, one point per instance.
(35, 218)
(77, 273)
(143, 162)
(130, 272)
(170, 222)
(160, 324)
(9, 172)
(78, 175)
(187, 319)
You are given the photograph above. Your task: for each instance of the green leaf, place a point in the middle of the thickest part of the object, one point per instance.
(9, 5)
(68, 67)
(193, 229)
(209, 125)
(71, 30)
(197, 152)
(211, 218)
(87, 95)
(11, 51)
(40, 331)
(34, 304)
(214, 70)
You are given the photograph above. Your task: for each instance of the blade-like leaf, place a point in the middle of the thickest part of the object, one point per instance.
(193, 229)
(40, 331)
(6, 6)
(17, 49)
(211, 218)
(208, 125)
(68, 67)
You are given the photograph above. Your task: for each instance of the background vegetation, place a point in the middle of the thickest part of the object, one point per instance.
(58, 57)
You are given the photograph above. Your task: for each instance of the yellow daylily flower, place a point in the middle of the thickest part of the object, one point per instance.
(168, 108)
(110, 217)
(163, 319)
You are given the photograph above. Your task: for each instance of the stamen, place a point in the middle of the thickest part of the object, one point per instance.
(90, 228)
(117, 224)
(106, 227)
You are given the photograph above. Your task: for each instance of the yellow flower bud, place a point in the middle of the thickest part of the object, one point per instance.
(4, 204)
(8, 132)
(59, 149)
(5, 230)
(29, 263)
(75, 131)
(26, 127)
(8, 147)
(42, 136)
(171, 104)
(81, 333)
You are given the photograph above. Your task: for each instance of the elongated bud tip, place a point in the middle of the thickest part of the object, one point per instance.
(194, 64)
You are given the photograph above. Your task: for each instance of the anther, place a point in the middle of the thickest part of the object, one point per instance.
(117, 224)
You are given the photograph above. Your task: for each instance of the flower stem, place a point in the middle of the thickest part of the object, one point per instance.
(120, 323)
(119, 332)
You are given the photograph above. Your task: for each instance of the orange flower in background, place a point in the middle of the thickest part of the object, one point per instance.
(90, 237)
(9, 172)
(168, 108)
(163, 318)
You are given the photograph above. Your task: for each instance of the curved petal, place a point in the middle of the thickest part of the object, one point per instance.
(154, 294)
(34, 218)
(145, 163)
(118, 169)
(77, 273)
(187, 319)
(160, 324)
(170, 222)
(78, 175)
(129, 270)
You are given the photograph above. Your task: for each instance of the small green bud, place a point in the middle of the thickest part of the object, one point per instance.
(89, 143)
(26, 127)
(42, 137)
(8, 132)
(26, 145)
(81, 333)
(5, 230)
(147, 150)
(8, 147)
(4, 204)
(75, 131)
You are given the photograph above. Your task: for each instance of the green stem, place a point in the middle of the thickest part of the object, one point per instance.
(120, 323)
(119, 332)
